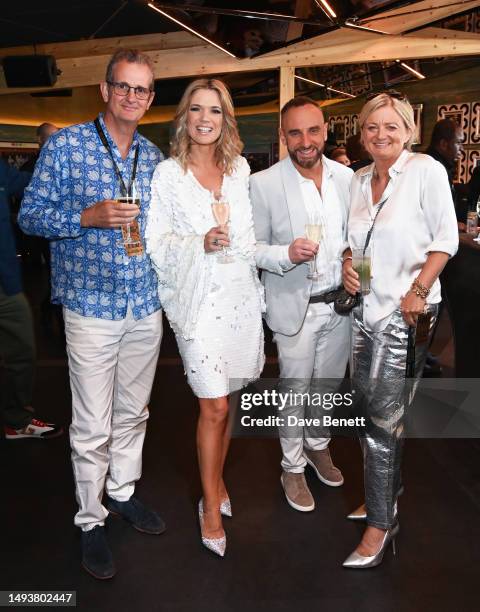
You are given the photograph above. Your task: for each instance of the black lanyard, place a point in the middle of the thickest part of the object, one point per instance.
(103, 138)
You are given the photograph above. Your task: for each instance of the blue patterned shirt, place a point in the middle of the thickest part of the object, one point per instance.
(91, 273)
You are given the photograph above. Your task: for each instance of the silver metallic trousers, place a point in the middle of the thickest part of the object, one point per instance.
(377, 366)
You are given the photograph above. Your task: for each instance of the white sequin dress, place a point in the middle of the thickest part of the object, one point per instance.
(214, 309)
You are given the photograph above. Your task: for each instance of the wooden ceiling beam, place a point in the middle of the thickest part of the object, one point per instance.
(106, 46)
(409, 20)
(333, 48)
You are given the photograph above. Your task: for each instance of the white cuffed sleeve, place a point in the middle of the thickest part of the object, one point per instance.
(271, 257)
(439, 210)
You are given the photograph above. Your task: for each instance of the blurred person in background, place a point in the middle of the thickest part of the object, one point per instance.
(356, 153)
(446, 147)
(340, 155)
(17, 344)
(35, 246)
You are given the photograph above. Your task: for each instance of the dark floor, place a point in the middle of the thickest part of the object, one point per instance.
(277, 558)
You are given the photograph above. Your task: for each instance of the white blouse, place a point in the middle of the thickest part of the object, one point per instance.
(179, 216)
(418, 217)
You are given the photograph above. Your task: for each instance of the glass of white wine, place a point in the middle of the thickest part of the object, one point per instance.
(221, 213)
(314, 232)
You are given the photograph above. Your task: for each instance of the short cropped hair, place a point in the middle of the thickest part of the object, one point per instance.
(297, 102)
(44, 128)
(445, 129)
(132, 56)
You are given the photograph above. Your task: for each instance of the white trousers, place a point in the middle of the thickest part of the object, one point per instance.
(112, 365)
(320, 350)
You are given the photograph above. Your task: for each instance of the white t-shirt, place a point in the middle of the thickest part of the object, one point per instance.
(418, 217)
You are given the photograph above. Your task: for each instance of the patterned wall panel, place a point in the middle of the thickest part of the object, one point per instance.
(473, 162)
(475, 123)
(354, 124)
(461, 169)
(460, 113)
(359, 78)
(340, 125)
(343, 126)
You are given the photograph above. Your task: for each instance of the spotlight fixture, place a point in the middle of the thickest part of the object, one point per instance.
(326, 8)
(353, 23)
(343, 93)
(186, 27)
(408, 68)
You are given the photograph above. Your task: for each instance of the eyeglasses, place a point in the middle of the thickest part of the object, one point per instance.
(123, 89)
(389, 92)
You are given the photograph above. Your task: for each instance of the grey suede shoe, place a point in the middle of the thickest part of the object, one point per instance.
(297, 492)
(323, 467)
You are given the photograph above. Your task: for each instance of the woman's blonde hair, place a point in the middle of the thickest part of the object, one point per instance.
(228, 145)
(399, 103)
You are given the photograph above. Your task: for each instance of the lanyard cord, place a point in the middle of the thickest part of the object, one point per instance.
(369, 234)
(125, 191)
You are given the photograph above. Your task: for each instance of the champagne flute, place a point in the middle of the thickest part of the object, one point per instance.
(221, 213)
(314, 232)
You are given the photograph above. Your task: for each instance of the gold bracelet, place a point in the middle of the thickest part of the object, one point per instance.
(419, 289)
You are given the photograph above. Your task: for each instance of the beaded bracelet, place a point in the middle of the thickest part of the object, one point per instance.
(419, 289)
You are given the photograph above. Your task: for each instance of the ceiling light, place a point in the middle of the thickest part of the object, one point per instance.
(210, 42)
(326, 8)
(344, 93)
(408, 68)
(351, 23)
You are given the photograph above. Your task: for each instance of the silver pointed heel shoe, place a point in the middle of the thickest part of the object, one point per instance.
(226, 508)
(216, 545)
(356, 561)
(360, 514)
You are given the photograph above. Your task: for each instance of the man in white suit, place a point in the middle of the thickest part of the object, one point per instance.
(312, 340)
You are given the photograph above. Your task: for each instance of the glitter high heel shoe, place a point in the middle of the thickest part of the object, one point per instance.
(356, 561)
(216, 545)
(226, 508)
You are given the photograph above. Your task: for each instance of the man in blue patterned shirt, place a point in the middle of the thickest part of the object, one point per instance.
(108, 289)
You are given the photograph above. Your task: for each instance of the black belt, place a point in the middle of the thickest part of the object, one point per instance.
(327, 297)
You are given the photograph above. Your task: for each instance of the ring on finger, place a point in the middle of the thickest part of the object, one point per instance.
(215, 242)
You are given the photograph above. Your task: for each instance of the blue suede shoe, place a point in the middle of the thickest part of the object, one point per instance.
(141, 517)
(97, 559)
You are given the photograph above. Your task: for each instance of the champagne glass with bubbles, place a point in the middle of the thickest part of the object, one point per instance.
(221, 213)
(314, 232)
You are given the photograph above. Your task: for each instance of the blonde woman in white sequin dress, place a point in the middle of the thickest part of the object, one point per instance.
(213, 307)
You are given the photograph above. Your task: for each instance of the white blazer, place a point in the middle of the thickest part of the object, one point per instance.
(279, 218)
